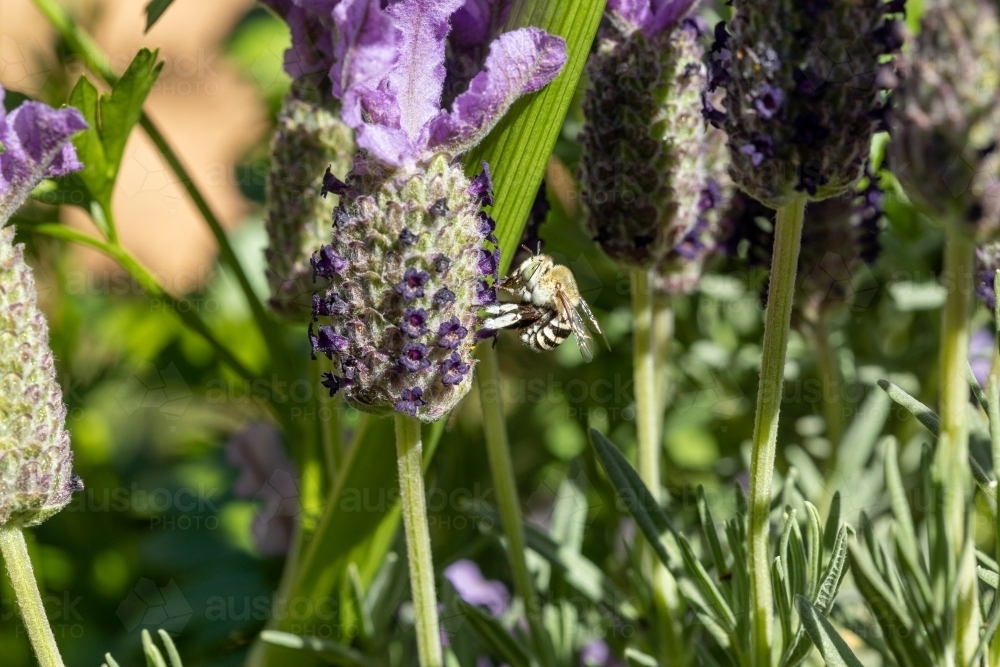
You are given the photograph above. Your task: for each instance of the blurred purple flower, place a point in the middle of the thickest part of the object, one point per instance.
(597, 653)
(389, 73)
(475, 589)
(981, 354)
(269, 477)
(35, 139)
(650, 16)
(311, 25)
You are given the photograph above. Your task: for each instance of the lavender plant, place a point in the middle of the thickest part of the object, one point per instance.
(802, 93)
(36, 462)
(413, 258)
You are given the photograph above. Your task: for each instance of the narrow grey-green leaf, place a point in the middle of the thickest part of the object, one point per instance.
(153, 656)
(519, 147)
(494, 635)
(172, 654)
(988, 577)
(827, 591)
(814, 538)
(711, 533)
(715, 598)
(985, 484)
(860, 437)
(976, 388)
(636, 658)
(907, 533)
(360, 602)
(637, 498)
(111, 662)
(832, 523)
(332, 652)
(833, 648)
(924, 414)
(780, 589)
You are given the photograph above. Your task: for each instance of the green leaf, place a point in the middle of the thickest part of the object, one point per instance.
(711, 533)
(888, 611)
(519, 147)
(634, 494)
(924, 414)
(814, 535)
(360, 603)
(833, 648)
(636, 658)
(989, 577)
(494, 635)
(977, 390)
(153, 656)
(723, 614)
(832, 526)
(109, 661)
(332, 652)
(860, 437)
(781, 600)
(907, 533)
(154, 10)
(111, 118)
(168, 643)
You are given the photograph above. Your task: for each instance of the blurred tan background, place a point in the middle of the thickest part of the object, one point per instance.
(209, 111)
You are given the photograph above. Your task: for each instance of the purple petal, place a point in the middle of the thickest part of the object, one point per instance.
(418, 78)
(666, 15)
(632, 13)
(474, 23)
(481, 188)
(475, 589)
(367, 48)
(520, 62)
(36, 146)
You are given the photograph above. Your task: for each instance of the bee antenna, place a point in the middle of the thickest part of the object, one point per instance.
(528, 249)
(538, 247)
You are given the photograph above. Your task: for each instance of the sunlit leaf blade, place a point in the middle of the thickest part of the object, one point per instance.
(636, 658)
(833, 648)
(332, 652)
(519, 147)
(154, 10)
(168, 643)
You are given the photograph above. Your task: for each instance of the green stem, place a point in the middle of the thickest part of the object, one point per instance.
(645, 382)
(951, 456)
(781, 289)
(831, 392)
(409, 453)
(95, 60)
(498, 450)
(663, 336)
(29, 600)
(993, 396)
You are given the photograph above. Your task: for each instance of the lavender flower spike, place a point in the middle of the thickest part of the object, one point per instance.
(35, 139)
(390, 71)
(36, 462)
(413, 258)
(653, 173)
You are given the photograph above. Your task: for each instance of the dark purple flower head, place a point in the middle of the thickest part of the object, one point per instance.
(326, 341)
(410, 400)
(481, 188)
(651, 16)
(311, 24)
(474, 588)
(451, 333)
(414, 322)
(389, 73)
(35, 139)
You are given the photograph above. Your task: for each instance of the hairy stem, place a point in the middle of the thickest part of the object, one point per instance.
(647, 414)
(418, 540)
(29, 600)
(498, 450)
(951, 467)
(781, 289)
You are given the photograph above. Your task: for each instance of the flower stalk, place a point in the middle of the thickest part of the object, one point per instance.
(29, 600)
(409, 453)
(502, 469)
(832, 388)
(645, 381)
(777, 321)
(951, 468)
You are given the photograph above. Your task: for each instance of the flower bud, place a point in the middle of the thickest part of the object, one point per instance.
(412, 261)
(310, 137)
(36, 463)
(798, 86)
(948, 109)
(648, 157)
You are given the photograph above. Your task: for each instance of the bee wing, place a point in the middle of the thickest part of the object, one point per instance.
(583, 339)
(593, 321)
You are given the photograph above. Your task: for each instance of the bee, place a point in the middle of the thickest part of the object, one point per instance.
(540, 299)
